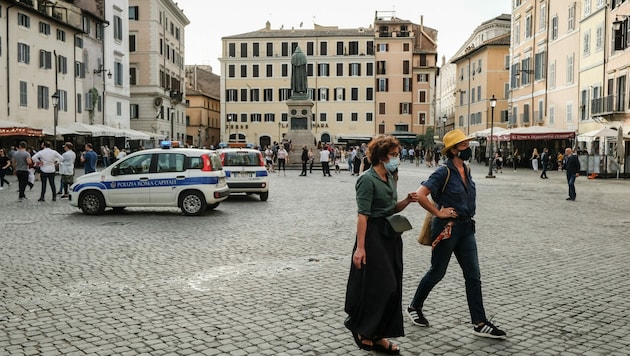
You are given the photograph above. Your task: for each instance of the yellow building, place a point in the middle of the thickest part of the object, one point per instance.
(203, 111)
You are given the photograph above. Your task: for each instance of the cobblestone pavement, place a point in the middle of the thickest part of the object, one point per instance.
(268, 278)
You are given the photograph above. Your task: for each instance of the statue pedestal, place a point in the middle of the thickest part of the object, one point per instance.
(300, 128)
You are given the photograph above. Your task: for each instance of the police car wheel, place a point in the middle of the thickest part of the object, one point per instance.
(192, 203)
(92, 203)
(264, 196)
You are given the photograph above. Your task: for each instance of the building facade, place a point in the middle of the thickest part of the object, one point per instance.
(156, 68)
(203, 111)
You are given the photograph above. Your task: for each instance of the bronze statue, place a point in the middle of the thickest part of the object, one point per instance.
(299, 83)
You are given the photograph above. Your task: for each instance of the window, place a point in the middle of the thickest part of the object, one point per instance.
(369, 94)
(517, 32)
(79, 109)
(268, 94)
(42, 97)
(63, 100)
(382, 84)
(422, 78)
(61, 35)
(340, 51)
(24, 20)
(254, 95)
(587, 7)
(369, 117)
(354, 116)
(422, 96)
(406, 87)
(133, 13)
(405, 67)
(571, 22)
(570, 61)
(422, 118)
(23, 94)
(243, 94)
(133, 73)
(554, 28)
(542, 22)
(405, 108)
(383, 47)
(255, 49)
(269, 49)
(44, 28)
(256, 117)
(380, 67)
(285, 49)
(569, 112)
(552, 75)
(552, 115)
(45, 59)
(231, 71)
(323, 94)
(381, 108)
(354, 69)
(586, 43)
(405, 47)
(284, 94)
(354, 94)
(118, 28)
(270, 117)
(340, 94)
(528, 27)
(134, 111)
(269, 70)
(231, 95)
(243, 71)
(353, 48)
(370, 69)
(132, 43)
(340, 69)
(322, 69)
(540, 63)
(24, 53)
(244, 50)
(339, 117)
(231, 50)
(118, 73)
(243, 117)
(85, 24)
(599, 38)
(323, 49)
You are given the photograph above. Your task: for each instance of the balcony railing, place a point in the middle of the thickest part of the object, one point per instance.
(607, 105)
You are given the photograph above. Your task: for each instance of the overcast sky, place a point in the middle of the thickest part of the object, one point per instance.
(210, 20)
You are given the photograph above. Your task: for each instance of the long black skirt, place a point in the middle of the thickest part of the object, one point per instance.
(374, 292)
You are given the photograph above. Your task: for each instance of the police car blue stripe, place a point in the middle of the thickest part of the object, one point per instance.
(136, 183)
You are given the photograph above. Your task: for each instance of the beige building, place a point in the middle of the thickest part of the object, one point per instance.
(50, 47)
(256, 83)
(156, 68)
(406, 71)
(203, 111)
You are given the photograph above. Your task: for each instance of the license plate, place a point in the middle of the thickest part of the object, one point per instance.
(242, 175)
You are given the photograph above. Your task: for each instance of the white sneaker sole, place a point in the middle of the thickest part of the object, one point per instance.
(490, 336)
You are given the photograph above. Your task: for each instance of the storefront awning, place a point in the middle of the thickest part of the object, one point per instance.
(534, 133)
(11, 128)
(599, 133)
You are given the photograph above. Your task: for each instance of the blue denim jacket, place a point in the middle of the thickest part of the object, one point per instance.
(456, 194)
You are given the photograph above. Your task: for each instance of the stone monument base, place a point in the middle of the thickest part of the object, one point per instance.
(298, 140)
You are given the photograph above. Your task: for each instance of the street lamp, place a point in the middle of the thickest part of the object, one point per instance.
(444, 125)
(493, 103)
(279, 125)
(199, 137)
(101, 70)
(55, 102)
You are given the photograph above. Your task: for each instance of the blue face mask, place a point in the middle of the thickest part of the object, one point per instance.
(392, 165)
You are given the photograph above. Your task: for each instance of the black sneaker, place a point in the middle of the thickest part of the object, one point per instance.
(417, 317)
(489, 330)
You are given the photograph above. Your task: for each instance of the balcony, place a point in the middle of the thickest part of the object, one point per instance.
(607, 105)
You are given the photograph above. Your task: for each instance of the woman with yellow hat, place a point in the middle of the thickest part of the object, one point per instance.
(453, 228)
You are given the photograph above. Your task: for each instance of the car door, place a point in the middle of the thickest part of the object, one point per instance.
(130, 185)
(169, 178)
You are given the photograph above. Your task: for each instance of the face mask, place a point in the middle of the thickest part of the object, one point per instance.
(392, 165)
(465, 154)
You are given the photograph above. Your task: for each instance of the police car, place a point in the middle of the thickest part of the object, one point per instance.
(188, 178)
(245, 171)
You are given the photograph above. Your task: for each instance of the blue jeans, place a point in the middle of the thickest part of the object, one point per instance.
(50, 177)
(571, 181)
(463, 244)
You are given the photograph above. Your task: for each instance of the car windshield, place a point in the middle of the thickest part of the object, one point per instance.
(241, 158)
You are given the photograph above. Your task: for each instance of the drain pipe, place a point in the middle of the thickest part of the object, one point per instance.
(8, 66)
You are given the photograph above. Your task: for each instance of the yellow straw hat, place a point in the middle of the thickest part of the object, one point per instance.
(452, 138)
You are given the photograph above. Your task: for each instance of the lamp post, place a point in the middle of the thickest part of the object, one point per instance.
(199, 137)
(444, 125)
(279, 125)
(493, 103)
(55, 102)
(101, 70)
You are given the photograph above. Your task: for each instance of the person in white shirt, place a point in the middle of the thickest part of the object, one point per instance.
(324, 157)
(66, 168)
(48, 158)
(121, 154)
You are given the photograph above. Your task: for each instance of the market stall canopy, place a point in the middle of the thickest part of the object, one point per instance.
(90, 130)
(599, 133)
(486, 132)
(534, 133)
(12, 128)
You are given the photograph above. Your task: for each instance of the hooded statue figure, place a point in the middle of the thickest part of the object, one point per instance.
(299, 84)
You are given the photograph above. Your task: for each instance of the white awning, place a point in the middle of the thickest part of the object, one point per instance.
(599, 133)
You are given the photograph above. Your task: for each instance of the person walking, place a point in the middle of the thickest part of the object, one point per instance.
(534, 158)
(544, 160)
(5, 163)
(66, 169)
(324, 156)
(21, 161)
(374, 289)
(498, 161)
(305, 160)
(48, 159)
(453, 229)
(282, 160)
(311, 160)
(89, 158)
(572, 166)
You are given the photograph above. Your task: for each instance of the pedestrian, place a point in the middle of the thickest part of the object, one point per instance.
(21, 161)
(560, 159)
(47, 159)
(516, 159)
(356, 162)
(534, 158)
(498, 161)
(572, 166)
(105, 155)
(428, 157)
(5, 163)
(269, 159)
(282, 159)
(324, 156)
(66, 168)
(374, 290)
(304, 160)
(116, 152)
(544, 161)
(453, 228)
(311, 160)
(121, 154)
(365, 164)
(353, 154)
(31, 169)
(89, 158)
